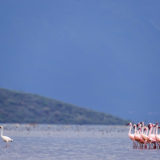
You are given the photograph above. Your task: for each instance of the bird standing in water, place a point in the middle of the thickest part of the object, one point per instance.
(5, 138)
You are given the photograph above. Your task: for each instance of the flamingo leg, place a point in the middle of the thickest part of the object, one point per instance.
(7, 144)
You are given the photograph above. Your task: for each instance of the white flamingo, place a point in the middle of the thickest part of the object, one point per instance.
(5, 138)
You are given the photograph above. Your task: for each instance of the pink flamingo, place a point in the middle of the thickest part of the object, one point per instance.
(145, 136)
(143, 133)
(137, 135)
(141, 140)
(157, 135)
(131, 135)
(152, 137)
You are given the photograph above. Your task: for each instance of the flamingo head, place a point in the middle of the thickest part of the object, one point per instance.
(129, 124)
(1, 126)
(142, 124)
(156, 125)
(149, 125)
(139, 125)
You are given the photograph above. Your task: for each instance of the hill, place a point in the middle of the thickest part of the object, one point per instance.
(17, 107)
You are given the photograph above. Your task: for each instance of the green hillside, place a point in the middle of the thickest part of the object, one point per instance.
(17, 107)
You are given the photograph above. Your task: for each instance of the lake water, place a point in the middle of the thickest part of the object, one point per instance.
(71, 142)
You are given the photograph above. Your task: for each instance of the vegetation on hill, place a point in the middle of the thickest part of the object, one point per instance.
(17, 107)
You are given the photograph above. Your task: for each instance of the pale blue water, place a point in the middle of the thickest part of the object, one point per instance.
(53, 142)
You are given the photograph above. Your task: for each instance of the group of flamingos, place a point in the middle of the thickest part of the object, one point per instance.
(144, 137)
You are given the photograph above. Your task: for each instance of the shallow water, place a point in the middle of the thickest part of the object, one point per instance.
(77, 142)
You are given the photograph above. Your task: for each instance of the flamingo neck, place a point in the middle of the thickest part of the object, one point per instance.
(1, 132)
(142, 129)
(146, 131)
(156, 131)
(135, 130)
(150, 131)
(130, 129)
(139, 131)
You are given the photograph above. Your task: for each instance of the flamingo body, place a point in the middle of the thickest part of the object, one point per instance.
(6, 139)
(131, 136)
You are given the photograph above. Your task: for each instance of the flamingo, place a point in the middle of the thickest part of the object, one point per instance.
(157, 135)
(141, 140)
(130, 135)
(145, 136)
(152, 137)
(138, 136)
(143, 133)
(5, 138)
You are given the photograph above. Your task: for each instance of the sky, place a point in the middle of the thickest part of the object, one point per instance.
(98, 54)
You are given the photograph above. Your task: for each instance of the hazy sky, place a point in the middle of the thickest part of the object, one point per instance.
(99, 54)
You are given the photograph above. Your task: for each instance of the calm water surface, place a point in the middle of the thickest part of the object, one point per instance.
(66, 142)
